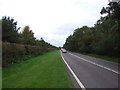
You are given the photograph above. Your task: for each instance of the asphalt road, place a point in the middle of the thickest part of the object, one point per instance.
(92, 72)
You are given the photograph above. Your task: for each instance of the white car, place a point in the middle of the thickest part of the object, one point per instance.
(63, 50)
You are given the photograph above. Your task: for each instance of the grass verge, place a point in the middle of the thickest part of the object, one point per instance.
(45, 71)
(112, 59)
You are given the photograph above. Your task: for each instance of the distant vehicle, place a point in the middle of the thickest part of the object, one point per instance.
(63, 50)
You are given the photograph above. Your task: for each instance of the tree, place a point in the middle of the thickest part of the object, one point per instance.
(27, 36)
(80, 40)
(113, 10)
(103, 38)
(9, 30)
(42, 43)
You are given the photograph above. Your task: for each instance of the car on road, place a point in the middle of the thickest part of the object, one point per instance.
(63, 50)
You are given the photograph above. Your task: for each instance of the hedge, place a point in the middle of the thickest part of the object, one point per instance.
(11, 52)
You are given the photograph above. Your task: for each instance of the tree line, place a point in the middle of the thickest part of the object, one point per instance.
(17, 46)
(103, 38)
(10, 34)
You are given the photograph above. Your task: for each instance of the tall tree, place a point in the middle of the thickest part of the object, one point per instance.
(9, 30)
(113, 10)
(103, 38)
(27, 36)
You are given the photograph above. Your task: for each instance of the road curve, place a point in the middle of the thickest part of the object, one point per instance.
(92, 72)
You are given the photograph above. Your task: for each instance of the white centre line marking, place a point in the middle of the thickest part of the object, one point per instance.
(74, 75)
(96, 64)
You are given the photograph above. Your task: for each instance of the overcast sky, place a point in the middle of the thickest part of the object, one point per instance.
(54, 20)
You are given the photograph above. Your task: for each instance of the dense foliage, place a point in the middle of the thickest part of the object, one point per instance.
(103, 38)
(18, 45)
(10, 34)
(9, 30)
(13, 53)
(27, 36)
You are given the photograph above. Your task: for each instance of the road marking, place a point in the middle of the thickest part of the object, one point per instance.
(96, 64)
(74, 75)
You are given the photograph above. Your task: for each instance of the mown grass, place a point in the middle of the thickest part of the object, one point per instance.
(112, 59)
(45, 71)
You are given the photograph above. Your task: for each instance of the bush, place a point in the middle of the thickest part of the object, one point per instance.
(11, 52)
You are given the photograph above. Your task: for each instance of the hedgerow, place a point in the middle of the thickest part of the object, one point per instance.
(12, 52)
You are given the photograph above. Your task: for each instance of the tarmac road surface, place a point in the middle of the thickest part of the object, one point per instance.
(92, 72)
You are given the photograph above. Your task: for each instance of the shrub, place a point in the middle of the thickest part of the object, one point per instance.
(11, 52)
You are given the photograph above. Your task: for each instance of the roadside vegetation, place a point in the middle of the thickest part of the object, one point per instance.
(13, 53)
(101, 39)
(45, 71)
(108, 58)
(20, 45)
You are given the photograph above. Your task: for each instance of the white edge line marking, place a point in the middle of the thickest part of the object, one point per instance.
(109, 69)
(78, 81)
